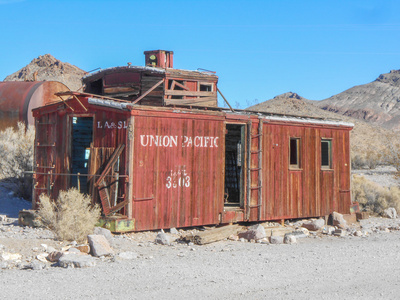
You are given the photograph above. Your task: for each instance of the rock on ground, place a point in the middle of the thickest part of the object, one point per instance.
(314, 225)
(390, 213)
(256, 232)
(162, 238)
(76, 261)
(338, 220)
(99, 245)
(107, 234)
(276, 239)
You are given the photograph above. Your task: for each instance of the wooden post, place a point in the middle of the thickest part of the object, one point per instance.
(131, 143)
(79, 182)
(226, 101)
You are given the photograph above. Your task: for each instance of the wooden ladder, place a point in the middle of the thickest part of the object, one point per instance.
(250, 153)
(50, 146)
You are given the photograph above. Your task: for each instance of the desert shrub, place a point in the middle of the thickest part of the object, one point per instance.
(72, 217)
(357, 162)
(16, 157)
(373, 197)
(392, 153)
(373, 159)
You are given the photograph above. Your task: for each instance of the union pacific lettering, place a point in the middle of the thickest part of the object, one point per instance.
(149, 140)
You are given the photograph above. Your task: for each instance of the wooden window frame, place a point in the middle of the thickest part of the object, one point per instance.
(211, 84)
(329, 165)
(296, 165)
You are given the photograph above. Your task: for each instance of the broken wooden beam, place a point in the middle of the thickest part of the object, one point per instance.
(213, 235)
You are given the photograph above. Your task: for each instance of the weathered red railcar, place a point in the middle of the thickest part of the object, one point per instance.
(156, 84)
(163, 167)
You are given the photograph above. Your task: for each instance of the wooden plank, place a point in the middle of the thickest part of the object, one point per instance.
(111, 163)
(130, 162)
(190, 93)
(213, 235)
(146, 93)
(190, 101)
(120, 89)
(104, 197)
(226, 101)
(180, 85)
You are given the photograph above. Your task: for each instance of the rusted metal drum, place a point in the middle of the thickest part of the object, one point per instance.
(18, 98)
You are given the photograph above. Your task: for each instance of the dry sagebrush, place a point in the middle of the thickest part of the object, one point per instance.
(72, 217)
(373, 197)
(16, 157)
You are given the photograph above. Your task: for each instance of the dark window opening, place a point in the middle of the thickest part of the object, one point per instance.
(173, 86)
(234, 165)
(294, 152)
(95, 87)
(82, 132)
(326, 154)
(205, 87)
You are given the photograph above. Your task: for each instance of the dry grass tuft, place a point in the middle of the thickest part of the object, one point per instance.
(72, 217)
(16, 157)
(373, 197)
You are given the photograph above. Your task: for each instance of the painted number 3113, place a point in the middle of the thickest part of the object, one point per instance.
(178, 179)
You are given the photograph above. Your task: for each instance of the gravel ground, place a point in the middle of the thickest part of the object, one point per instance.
(317, 267)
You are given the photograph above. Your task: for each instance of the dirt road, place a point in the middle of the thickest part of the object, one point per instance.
(314, 268)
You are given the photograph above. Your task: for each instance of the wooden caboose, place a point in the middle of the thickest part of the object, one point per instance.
(155, 84)
(161, 167)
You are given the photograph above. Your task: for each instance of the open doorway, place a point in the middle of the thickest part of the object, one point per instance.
(82, 137)
(234, 165)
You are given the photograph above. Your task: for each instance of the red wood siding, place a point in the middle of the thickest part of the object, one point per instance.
(308, 191)
(178, 171)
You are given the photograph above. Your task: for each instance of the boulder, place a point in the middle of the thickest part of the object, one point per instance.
(4, 265)
(340, 232)
(276, 239)
(174, 231)
(390, 213)
(256, 232)
(29, 218)
(107, 234)
(10, 256)
(314, 225)
(162, 238)
(289, 239)
(99, 245)
(327, 229)
(76, 261)
(298, 234)
(54, 256)
(34, 265)
(338, 220)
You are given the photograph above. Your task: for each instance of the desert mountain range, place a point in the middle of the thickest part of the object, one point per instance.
(374, 107)
(48, 68)
(365, 137)
(377, 101)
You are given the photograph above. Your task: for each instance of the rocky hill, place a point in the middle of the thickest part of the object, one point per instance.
(366, 138)
(48, 68)
(377, 101)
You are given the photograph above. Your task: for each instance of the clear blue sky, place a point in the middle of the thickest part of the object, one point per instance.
(259, 49)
